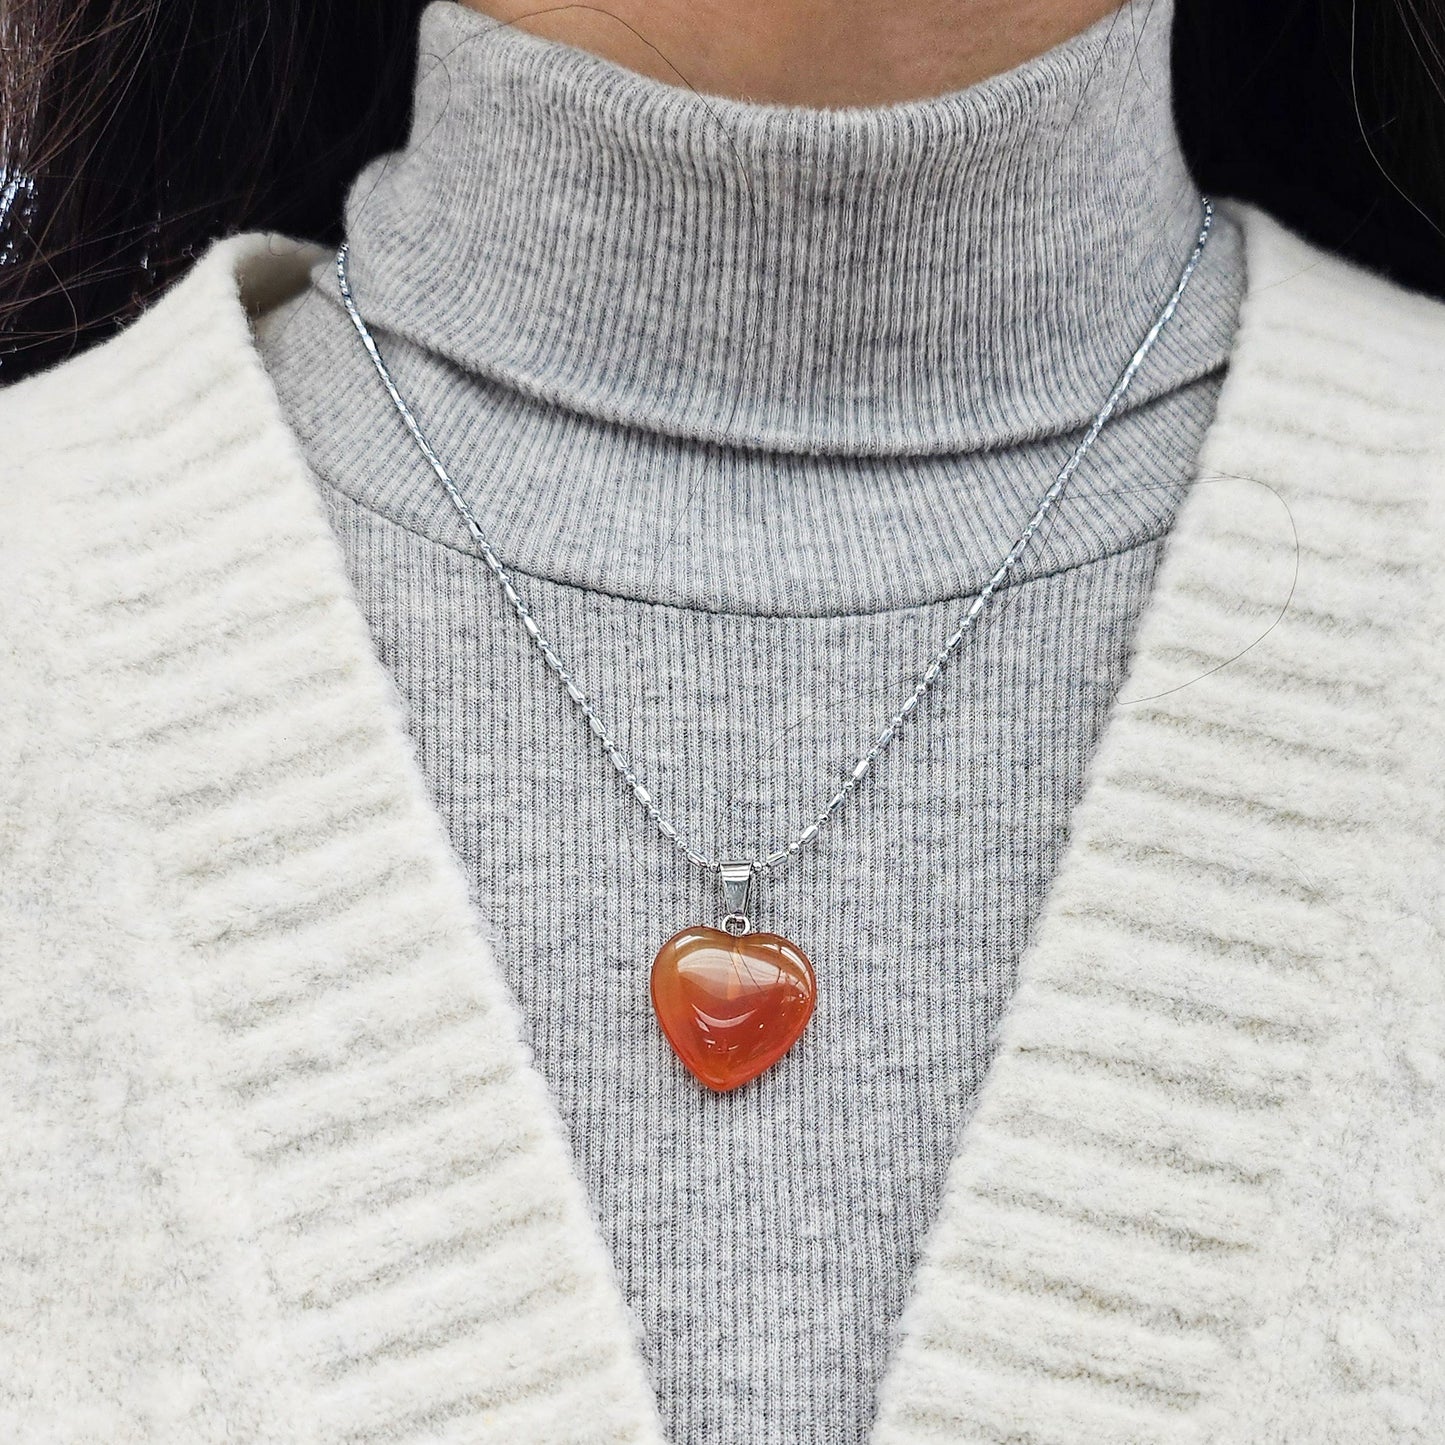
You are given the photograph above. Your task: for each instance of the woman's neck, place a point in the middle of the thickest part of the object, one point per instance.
(806, 52)
(763, 358)
(939, 275)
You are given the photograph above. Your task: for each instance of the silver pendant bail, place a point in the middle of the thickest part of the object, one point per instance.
(737, 883)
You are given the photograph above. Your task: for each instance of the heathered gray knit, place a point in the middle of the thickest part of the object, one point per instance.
(751, 398)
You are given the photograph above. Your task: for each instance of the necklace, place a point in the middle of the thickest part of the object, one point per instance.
(732, 1002)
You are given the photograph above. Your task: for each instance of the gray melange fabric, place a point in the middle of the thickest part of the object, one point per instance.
(752, 398)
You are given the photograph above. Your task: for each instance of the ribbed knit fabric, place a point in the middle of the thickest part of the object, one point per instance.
(761, 359)
(275, 1166)
(754, 396)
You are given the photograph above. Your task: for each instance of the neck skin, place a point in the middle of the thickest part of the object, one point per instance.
(806, 52)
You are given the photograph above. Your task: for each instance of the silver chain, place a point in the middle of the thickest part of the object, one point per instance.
(927, 678)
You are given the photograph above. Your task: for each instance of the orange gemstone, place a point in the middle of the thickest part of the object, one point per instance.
(731, 1005)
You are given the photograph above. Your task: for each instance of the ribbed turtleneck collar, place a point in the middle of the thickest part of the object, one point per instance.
(933, 276)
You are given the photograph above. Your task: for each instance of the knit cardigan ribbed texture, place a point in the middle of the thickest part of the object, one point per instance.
(274, 1165)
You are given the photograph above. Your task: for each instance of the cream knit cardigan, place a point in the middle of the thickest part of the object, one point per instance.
(275, 1166)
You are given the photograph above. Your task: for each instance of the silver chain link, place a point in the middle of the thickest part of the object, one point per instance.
(927, 678)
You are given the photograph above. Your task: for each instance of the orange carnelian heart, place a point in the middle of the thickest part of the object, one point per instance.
(731, 1005)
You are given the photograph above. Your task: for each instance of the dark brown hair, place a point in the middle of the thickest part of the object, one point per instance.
(133, 132)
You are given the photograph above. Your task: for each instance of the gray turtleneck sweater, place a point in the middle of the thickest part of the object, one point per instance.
(751, 399)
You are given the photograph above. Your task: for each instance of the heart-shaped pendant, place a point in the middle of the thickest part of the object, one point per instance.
(731, 1005)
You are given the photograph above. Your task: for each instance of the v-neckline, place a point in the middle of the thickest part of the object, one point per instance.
(1036, 1298)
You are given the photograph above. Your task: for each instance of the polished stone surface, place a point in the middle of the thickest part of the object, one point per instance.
(731, 1005)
